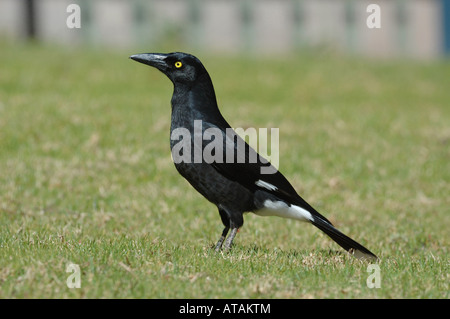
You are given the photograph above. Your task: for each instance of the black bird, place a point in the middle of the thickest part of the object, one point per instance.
(234, 184)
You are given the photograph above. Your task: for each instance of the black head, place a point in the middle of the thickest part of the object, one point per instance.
(178, 66)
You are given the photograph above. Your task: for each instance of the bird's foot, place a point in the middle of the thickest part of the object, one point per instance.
(228, 241)
(230, 238)
(219, 244)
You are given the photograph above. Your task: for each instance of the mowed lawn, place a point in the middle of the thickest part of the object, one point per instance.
(86, 177)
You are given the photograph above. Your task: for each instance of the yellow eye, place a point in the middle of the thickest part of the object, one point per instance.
(178, 64)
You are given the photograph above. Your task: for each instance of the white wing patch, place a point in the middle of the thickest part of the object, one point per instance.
(281, 209)
(265, 185)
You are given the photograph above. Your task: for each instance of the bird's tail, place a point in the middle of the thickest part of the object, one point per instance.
(354, 248)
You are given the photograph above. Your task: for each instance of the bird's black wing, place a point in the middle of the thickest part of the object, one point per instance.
(253, 171)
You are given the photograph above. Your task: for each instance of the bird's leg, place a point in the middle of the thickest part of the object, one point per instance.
(230, 238)
(222, 238)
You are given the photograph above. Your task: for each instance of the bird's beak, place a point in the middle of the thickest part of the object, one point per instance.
(156, 60)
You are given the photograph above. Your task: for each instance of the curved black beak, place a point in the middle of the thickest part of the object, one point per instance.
(156, 60)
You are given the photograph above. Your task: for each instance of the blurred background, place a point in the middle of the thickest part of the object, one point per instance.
(412, 28)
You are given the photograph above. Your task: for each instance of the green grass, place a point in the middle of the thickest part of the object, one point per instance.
(86, 178)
